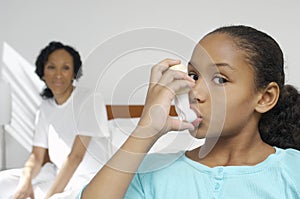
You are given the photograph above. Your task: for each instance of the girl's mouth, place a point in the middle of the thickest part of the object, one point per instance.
(197, 122)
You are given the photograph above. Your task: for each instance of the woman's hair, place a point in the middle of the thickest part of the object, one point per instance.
(281, 125)
(43, 58)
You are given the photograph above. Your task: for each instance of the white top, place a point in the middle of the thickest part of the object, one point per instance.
(84, 113)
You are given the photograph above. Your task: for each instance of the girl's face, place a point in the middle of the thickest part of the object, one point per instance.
(224, 96)
(59, 74)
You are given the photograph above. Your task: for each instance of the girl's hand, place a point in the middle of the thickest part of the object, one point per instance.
(164, 85)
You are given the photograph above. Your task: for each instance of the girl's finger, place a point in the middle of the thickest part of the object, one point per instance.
(177, 87)
(178, 125)
(158, 70)
(172, 75)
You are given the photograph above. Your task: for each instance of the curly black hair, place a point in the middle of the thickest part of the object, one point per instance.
(281, 125)
(43, 58)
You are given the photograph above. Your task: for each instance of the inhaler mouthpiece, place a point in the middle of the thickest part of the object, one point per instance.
(182, 104)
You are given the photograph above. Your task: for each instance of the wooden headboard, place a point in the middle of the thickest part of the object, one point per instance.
(129, 111)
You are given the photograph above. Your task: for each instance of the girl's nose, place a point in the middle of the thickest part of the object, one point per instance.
(199, 92)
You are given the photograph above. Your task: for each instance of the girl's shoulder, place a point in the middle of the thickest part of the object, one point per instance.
(288, 155)
(289, 159)
(289, 165)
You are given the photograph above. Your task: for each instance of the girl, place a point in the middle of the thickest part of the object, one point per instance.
(249, 118)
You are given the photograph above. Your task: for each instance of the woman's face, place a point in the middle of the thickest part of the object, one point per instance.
(59, 74)
(224, 96)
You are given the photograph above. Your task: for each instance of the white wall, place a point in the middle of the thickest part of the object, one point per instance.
(27, 26)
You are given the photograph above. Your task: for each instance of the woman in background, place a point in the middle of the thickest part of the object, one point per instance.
(65, 143)
(247, 115)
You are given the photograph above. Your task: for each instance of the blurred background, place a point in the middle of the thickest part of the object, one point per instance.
(120, 40)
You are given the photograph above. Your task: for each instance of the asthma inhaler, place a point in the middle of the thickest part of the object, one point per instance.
(182, 104)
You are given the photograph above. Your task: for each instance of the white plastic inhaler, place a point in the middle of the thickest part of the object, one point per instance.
(182, 104)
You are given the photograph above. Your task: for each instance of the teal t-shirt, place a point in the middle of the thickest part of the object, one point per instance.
(174, 176)
(276, 177)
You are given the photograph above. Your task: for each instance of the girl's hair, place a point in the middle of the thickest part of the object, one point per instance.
(281, 125)
(43, 58)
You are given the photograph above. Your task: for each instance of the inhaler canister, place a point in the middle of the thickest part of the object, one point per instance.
(182, 104)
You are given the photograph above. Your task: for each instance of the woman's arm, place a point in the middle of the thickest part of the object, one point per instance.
(31, 168)
(113, 179)
(70, 165)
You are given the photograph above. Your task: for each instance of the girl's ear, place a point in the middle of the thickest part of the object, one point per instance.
(268, 98)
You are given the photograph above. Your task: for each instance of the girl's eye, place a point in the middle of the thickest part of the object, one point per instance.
(220, 80)
(194, 76)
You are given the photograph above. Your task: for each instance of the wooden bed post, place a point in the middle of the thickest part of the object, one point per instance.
(129, 111)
